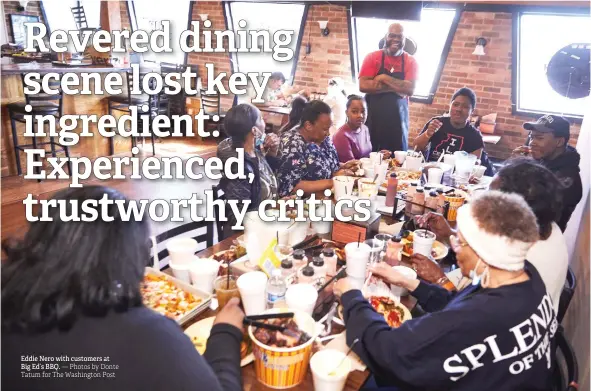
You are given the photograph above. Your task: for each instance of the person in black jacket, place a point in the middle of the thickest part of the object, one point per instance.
(549, 137)
(246, 129)
(495, 335)
(71, 299)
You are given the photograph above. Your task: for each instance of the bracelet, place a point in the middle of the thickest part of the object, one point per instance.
(446, 283)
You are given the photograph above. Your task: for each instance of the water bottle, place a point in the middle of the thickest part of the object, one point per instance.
(276, 288)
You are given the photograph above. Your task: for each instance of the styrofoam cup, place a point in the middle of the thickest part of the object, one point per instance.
(181, 250)
(451, 160)
(478, 171)
(400, 156)
(423, 244)
(301, 297)
(182, 271)
(252, 286)
(343, 185)
(203, 274)
(408, 273)
(357, 257)
(434, 175)
(324, 362)
(375, 157)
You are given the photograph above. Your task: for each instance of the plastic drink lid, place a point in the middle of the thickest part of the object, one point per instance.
(318, 262)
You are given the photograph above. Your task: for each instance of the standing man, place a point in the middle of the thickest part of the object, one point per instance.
(387, 77)
(549, 137)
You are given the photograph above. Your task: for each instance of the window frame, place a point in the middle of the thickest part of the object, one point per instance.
(517, 13)
(133, 24)
(45, 20)
(355, 62)
(228, 18)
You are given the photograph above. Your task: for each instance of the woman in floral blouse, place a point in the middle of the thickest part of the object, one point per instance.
(308, 157)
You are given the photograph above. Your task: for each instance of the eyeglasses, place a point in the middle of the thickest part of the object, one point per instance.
(456, 242)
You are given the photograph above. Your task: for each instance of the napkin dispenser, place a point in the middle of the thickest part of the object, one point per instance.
(351, 231)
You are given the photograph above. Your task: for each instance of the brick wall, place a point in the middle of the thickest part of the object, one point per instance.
(489, 75)
(12, 7)
(330, 55)
(221, 61)
(125, 22)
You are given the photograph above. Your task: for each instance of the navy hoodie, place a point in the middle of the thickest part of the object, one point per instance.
(135, 350)
(477, 339)
(566, 167)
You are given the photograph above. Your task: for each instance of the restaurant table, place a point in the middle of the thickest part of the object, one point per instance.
(355, 380)
(283, 112)
(90, 104)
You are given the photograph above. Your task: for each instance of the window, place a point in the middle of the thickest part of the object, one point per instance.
(147, 15)
(539, 37)
(59, 13)
(257, 17)
(431, 34)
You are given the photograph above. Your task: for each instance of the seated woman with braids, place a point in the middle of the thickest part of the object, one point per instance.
(73, 289)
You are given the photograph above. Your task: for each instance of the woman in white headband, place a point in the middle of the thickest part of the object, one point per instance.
(493, 335)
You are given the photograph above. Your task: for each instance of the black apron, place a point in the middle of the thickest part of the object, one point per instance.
(387, 117)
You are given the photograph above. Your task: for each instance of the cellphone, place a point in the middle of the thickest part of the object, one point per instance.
(527, 140)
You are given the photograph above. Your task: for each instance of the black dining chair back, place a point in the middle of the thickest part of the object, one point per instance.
(43, 103)
(201, 231)
(567, 294)
(210, 102)
(218, 194)
(566, 370)
(79, 17)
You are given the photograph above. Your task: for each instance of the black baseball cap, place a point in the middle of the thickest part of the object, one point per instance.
(554, 124)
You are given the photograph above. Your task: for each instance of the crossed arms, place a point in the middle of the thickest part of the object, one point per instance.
(384, 83)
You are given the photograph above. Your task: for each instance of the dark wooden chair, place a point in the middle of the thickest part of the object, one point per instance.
(218, 194)
(80, 18)
(201, 231)
(126, 101)
(567, 294)
(566, 371)
(211, 104)
(41, 104)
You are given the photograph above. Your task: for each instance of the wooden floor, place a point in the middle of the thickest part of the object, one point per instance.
(15, 189)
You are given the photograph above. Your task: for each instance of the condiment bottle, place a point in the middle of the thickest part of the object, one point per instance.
(409, 197)
(287, 270)
(418, 202)
(299, 258)
(319, 269)
(391, 190)
(393, 248)
(306, 275)
(330, 261)
(431, 201)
